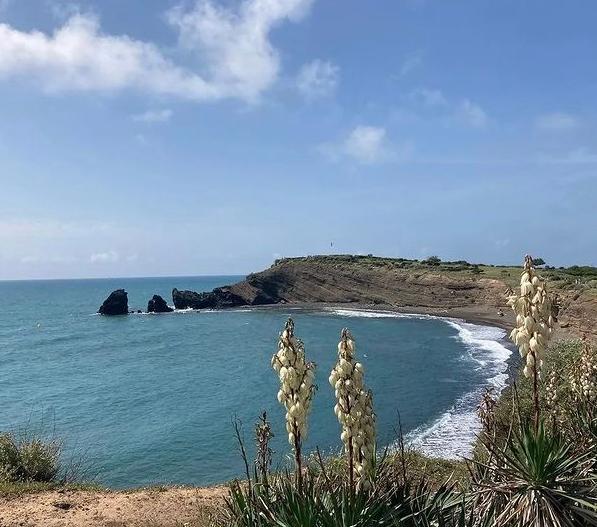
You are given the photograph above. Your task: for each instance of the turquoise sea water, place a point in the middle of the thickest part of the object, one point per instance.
(150, 398)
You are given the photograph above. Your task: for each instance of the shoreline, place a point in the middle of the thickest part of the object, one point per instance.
(463, 409)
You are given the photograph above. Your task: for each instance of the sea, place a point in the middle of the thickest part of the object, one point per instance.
(148, 399)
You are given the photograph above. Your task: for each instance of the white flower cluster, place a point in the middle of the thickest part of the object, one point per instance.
(551, 392)
(296, 383)
(354, 408)
(535, 319)
(585, 385)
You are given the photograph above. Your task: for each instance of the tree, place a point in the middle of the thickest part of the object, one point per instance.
(433, 260)
(538, 261)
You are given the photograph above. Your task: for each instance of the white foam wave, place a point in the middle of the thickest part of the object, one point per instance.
(367, 313)
(451, 435)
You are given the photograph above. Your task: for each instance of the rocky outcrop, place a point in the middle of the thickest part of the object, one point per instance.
(394, 283)
(219, 298)
(158, 305)
(116, 304)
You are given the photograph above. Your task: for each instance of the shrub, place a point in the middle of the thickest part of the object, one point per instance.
(537, 479)
(432, 260)
(28, 460)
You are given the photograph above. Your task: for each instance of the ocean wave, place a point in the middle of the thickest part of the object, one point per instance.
(451, 436)
(368, 313)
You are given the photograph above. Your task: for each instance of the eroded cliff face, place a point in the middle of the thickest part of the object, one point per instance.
(319, 280)
(385, 283)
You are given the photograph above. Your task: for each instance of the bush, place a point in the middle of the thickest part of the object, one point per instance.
(28, 460)
(432, 260)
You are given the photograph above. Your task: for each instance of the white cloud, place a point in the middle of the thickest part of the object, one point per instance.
(472, 114)
(427, 102)
(63, 9)
(556, 122)
(411, 63)
(105, 257)
(317, 78)
(366, 144)
(429, 97)
(232, 46)
(153, 116)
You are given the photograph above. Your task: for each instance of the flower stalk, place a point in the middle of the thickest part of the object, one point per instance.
(536, 317)
(354, 410)
(296, 389)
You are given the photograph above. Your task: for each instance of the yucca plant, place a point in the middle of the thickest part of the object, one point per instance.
(536, 480)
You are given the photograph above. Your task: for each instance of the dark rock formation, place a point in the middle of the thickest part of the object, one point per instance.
(217, 299)
(116, 304)
(158, 305)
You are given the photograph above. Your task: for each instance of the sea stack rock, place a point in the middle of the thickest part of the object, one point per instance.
(158, 305)
(116, 304)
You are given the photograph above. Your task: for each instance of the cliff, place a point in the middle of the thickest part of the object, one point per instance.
(454, 288)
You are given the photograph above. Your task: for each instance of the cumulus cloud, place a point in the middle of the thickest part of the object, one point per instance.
(105, 257)
(426, 102)
(429, 97)
(231, 46)
(153, 116)
(557, 122)
(367, 145)
(472, 114)
(317, 78)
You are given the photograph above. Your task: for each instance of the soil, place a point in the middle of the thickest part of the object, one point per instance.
(162, 507)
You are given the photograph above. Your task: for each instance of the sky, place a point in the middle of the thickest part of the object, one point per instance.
(185, 137)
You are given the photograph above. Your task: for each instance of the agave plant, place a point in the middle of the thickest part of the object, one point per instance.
(537, 480)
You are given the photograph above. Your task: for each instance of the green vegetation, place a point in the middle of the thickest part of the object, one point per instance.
(28, 460)
(573, 277)
(31, 462)
(535, 462)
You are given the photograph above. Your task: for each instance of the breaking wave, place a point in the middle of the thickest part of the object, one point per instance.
(452, 434)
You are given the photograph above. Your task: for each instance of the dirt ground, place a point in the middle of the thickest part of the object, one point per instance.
(168, 507)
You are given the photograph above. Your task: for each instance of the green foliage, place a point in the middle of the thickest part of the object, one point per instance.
(28, 460)
(538, 479)
(321, 501)
(585, 271)
(432, 260)
(515, 405)
(520, 475)
(538, 261)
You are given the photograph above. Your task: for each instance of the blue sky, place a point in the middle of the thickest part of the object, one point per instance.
(146, 137)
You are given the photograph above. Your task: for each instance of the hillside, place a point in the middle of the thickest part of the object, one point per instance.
(475, 292)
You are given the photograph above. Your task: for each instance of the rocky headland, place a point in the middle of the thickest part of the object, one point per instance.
(459, 289)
